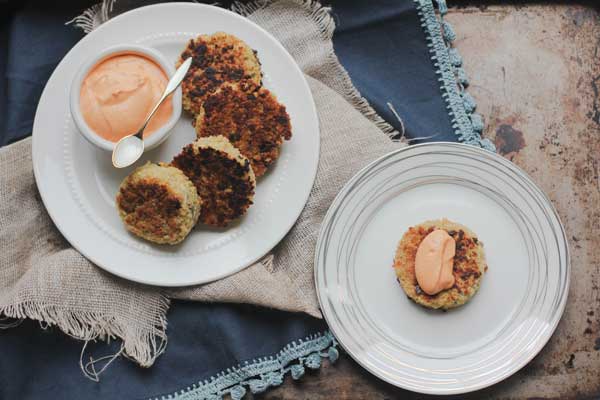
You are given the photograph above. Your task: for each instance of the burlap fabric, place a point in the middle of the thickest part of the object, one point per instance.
(42, 277)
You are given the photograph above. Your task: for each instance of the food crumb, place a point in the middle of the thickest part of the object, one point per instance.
(569, 364)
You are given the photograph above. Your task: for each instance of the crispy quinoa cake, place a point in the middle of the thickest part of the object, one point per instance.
(158, 203)
(223, 178)
(256, 123)
(218, 58)
(469, 264)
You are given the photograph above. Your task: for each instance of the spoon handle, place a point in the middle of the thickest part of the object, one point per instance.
(173, 84)
(178, 76)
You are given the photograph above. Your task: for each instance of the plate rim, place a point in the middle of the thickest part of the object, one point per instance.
(35, 147)
(514, 367)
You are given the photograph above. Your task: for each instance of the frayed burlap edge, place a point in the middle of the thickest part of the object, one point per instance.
(94, 16)
(142, 347)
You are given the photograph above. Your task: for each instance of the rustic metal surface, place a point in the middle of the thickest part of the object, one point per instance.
(535, 73)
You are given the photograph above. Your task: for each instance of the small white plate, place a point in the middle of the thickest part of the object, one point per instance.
(521, 298)
(78, 184)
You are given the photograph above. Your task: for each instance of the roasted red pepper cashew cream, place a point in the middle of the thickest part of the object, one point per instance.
(434, 262)
(118, 94)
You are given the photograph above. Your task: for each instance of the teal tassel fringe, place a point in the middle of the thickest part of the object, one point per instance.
(453, 79)
(260, 375)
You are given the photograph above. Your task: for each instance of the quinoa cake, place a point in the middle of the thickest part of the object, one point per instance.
(223, 178)
(159, 203)
(216, 59)
(468, 269)
(256, 123)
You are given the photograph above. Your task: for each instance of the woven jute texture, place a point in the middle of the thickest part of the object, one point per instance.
(43, 278)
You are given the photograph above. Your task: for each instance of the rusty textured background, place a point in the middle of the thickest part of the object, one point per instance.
(535, 73)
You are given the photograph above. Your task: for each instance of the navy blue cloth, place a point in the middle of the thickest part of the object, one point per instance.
(381, 44)
(33, 40)
(203, 339)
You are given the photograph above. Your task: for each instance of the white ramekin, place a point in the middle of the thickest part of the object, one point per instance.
(158, 136)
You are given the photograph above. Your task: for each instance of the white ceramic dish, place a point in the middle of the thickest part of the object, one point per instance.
(521, 298)
(160, 134)
(78, 184)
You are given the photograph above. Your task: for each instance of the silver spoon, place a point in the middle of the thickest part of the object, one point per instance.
(131, 147)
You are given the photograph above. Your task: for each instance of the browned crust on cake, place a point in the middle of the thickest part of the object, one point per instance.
(217, 59)
(224, 183)
(158, 203)
(256, 123)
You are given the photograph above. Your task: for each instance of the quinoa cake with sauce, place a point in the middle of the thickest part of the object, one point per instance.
(159, 203)
(223, 178)
(216, 59)
(468, 268)
(256, 123)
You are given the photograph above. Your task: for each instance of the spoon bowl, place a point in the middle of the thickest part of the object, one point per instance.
(127, 151)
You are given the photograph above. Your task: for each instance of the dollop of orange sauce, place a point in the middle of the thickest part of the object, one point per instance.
(118, 94)
(434, 262)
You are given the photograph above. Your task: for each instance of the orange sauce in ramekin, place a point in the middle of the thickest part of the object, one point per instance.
(118, 94)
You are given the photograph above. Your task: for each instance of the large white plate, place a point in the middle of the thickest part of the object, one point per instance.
(521, 298)
(78, 184)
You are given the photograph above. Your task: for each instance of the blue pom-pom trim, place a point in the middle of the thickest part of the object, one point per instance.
(261, 374)
(452, 77)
